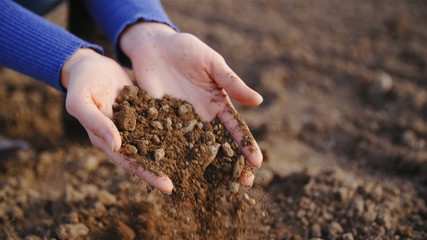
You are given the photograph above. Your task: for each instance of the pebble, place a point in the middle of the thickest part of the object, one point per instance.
(234, 187)
(183, 109)
(71, 195)
(249, 200)
(159, 154)
(156, 125)
(178, 125)
(227, 149)
(91, 163)
(156, 139)
(124, 231)
(168, 124)
(377, 194)
(73, 217)
(238, 167)
(348, 236)
(213, 150)
(316, 231)
(189, 126)
(369, 217)
(106, 197)
(209, 137)
(152, 112)
(32, 237)
(199, 125)
(130, 150)
(335, 229)
(381, 85)
(72, 231)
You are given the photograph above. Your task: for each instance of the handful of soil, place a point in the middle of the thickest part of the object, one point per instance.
(166, 136)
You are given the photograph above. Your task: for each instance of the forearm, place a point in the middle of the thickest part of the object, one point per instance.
(114, 17)
(33, 46)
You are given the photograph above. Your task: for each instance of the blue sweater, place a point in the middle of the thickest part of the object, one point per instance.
(33, 46)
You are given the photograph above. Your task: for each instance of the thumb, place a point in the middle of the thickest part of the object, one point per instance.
(233, 85)
(93, 120)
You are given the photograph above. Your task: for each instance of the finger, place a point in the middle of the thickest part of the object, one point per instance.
(240, 132)
(162, 183)
(247, 177)
(235, 87)
(93, 120)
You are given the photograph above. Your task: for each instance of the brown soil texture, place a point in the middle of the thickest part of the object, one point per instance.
(342, 127)
(166, 136)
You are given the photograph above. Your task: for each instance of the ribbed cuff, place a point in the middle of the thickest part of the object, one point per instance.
(116, 15)
(33, 46)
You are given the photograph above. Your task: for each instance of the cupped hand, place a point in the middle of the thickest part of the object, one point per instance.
(182, 66)
(93, 82)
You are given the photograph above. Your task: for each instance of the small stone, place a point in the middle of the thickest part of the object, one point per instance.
(168, 124)
(381, 85)
(156, 125)
(369, 217)
(316, 231)
(16, 213)
(385, 219)
(377, 194)
(72, 195)
(152, 112)
(178, 125)
(130, 150)
(344, 194)
(156, 139)
(248, 199)
(32, 237)
(348, 236)
(124, 231)
(335, 229)
(183, 109)
(199, 125)
(91, 163)
(227, 149)
(165, 108)
(209, 137)
(234, 187)
(106, 197)
(159, 154)
(73, 217)
(189, 126)
(213, 150)
(72, 231)
(238, 167)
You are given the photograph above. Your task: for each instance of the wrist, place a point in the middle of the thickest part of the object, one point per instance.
(138, 33)
(78, 56)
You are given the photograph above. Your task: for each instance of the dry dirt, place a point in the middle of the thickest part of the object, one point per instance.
(342, 127)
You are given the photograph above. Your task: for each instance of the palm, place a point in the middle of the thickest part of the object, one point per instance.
(183, 67)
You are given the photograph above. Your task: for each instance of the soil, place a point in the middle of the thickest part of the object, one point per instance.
(342, 128)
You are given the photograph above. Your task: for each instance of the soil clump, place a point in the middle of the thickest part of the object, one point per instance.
(166, 136)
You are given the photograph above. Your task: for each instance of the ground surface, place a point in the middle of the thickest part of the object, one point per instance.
(342, 127)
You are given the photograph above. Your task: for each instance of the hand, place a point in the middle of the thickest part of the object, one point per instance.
(182, 66)
(93, 82)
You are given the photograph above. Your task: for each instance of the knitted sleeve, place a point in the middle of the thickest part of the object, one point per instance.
(113, 16)
(33, 46)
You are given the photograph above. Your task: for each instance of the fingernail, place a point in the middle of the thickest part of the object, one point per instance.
(109, 141)
(262, 99)
(167, 193)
